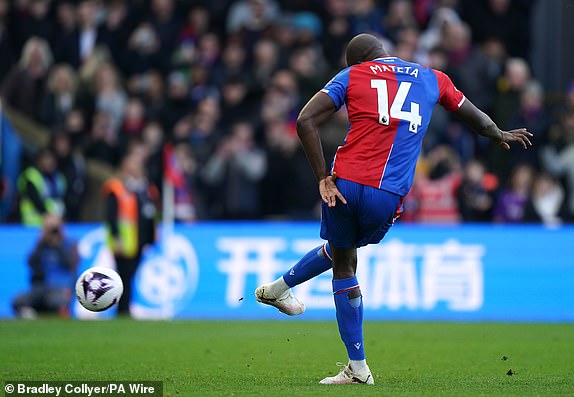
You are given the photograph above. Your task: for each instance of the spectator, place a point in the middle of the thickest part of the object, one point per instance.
(307, 27)
(560, 162)
(281, 99)
(505, 20)
(53, 263)
(561, 134)
(251, 17)
(130, 213)
(433, 35)
(569, 100)
(235, 102)
(7, 53)
(151, 87)
(30, 19)
(197, 24)
(236, 169)
(65, 20)
(308, 67)
(114, 32)
(232, 65)
(476, 193)
(407, 46)
(436, 193)
(75, 127)
(42, 189)
(87, 72)
(154, 140)
(109, 95)
(165, 20)
(338, 30)
(286, 161)
(23, 87)
(77, 46)
(367, 16)
(509, 108)
(39, 23)
(532, 116)
(511, 203)
(547, 204)
(208, 50)
(188, 199)
(177, 104)
(72, 166)
(511, 85)
(133, 122)
(60, 97)
(495, 56)
(265, 63)
(440, 120)
(201, 87)
(102, 143)
(185, 51)
(144, 51)
(467, 66)
(280, 148)
(399, 15)
(203, 134)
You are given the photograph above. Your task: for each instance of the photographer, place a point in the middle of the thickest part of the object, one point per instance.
(52, 265)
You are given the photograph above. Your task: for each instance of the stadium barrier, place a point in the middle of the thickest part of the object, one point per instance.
(420, 273)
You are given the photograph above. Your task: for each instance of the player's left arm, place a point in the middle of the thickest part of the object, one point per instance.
(319, 109)
(483, 125)
(453, 100)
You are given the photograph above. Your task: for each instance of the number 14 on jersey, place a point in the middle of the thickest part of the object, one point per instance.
(396, 110)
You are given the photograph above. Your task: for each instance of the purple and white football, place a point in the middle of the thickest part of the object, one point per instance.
(99, 288)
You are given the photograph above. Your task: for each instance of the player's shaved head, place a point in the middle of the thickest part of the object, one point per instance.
(362, 48)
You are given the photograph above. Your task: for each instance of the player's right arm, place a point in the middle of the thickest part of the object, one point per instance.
(319, 109)
(453, 100)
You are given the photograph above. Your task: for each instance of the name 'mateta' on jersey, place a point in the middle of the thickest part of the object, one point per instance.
(390, 103)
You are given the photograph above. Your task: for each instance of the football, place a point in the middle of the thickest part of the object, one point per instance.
(99, 288)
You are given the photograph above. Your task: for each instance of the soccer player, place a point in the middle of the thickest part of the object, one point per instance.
(389, 103)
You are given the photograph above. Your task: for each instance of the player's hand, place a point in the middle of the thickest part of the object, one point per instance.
(329, 192)
(520, 135)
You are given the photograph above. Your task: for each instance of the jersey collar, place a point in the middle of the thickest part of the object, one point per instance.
(385, 58)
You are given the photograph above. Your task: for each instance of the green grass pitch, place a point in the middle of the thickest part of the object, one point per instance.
(288, 358)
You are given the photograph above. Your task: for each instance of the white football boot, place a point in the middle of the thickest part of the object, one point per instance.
(348, 377)
(286, 303)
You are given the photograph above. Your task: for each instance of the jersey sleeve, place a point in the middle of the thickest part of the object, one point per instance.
(449, 96)
(337, 88)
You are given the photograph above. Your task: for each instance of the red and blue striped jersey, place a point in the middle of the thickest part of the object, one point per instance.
(389, 103)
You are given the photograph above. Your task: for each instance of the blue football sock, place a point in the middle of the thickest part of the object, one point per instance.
(311, 265)
(349, 317)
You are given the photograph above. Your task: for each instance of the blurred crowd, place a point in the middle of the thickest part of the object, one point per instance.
(213, 88)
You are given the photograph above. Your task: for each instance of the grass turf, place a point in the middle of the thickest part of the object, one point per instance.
(288, 358)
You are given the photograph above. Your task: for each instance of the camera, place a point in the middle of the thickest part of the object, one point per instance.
(54, 230)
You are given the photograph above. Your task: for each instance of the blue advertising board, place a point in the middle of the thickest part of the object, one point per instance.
(210, 270)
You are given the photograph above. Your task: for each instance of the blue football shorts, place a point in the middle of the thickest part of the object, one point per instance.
(365, 219)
